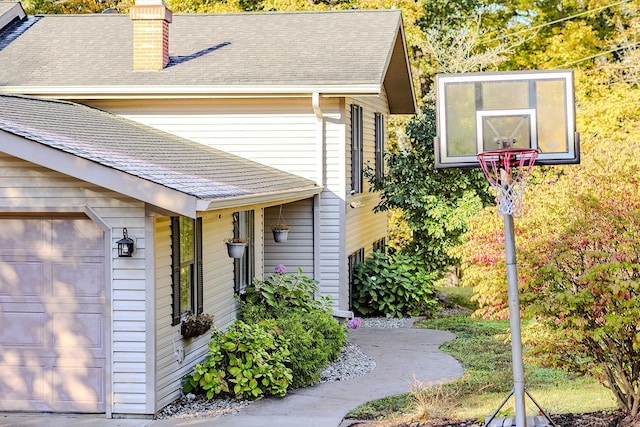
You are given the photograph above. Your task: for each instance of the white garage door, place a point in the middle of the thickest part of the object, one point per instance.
(52, 299)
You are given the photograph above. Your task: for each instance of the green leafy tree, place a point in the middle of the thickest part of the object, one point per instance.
(436, 203)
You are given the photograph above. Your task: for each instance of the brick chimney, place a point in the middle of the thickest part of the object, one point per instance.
(151, 19)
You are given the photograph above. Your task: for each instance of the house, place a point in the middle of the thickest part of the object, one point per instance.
(180, 130)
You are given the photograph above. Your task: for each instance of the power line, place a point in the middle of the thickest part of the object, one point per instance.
(545, 24)
(599, 54)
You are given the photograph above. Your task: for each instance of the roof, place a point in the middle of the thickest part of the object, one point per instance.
(332, 52)
(210, 178)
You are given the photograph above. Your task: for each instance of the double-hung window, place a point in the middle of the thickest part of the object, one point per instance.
(379, 144)
(357, 154)
(186, 264)
(243, 226)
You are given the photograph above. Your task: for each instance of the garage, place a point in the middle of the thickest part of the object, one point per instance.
(52, 314)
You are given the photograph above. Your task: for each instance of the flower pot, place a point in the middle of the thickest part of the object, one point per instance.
(194, 326)
(280, 235)
(235, 250)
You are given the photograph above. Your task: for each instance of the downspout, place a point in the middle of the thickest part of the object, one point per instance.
(317, 199)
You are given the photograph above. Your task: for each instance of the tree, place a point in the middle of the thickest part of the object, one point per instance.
(436, 203)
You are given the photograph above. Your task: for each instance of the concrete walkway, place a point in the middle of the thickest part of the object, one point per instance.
(402, 355)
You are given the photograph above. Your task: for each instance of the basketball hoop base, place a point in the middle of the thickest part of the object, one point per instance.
(507, 171)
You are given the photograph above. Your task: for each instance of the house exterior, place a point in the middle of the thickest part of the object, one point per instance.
(224, 125)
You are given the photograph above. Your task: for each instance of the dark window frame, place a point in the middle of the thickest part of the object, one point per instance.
(195, 274)
(244, 267)
(357, 149)
(380, 245)
(379, 144)
(354, 259)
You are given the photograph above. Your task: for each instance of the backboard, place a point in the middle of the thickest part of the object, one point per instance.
(478, 112)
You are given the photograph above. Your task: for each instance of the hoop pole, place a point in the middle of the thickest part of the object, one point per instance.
(514, 321)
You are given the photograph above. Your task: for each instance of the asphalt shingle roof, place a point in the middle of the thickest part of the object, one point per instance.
(255, 49)
(150, 154)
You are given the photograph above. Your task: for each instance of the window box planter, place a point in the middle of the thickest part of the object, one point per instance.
(193, 326)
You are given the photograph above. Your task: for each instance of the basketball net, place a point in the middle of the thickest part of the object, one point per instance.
(507, 171)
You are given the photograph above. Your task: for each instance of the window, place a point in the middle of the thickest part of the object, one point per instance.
(186, 264)
(354, 259)
(379, 131)
(380, 245)
(356, 149)
(243, 226)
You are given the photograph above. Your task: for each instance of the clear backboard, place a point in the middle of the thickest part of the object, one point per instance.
(479, 112)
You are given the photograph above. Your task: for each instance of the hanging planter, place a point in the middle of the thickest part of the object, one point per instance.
(193, 326)
(235, 247)
(281, 229)
(280, 233)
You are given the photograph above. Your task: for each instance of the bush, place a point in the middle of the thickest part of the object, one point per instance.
(315, 338)
(248, 362)
(393, 285)
(283, 292)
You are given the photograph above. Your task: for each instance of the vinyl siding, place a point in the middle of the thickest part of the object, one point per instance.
(363, 226)
(284, 133)
(175, 356)
(297, 251)
(277, 132)
(29, 188)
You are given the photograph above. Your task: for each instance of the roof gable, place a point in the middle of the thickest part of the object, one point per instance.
(112, 142)
(338, 52)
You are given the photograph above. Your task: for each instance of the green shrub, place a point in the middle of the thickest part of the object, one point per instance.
(315, 340)
(248, 362)
(314, 337)
(281, 293)
(393, 285)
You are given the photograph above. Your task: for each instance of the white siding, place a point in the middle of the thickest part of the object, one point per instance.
(363, 225)
(283, 133)
(175, 356)
(26, 188)
(277, 132)
(297, 251)
(333, 204)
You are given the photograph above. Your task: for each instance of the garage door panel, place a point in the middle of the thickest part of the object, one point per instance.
(82, 389)
(79, 332)
(23, 384)
(25, 234)
(52, 330)
(79, 235)
(22, 329)
(21, 278)
(77, 280)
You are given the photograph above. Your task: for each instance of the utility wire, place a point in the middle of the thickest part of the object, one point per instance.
(545, 24)
(599, 54)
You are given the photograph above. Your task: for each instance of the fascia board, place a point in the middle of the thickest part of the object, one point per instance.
(262, 198)
(223, 91)
(94, 173)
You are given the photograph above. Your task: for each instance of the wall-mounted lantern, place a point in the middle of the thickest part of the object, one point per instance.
(125, 245)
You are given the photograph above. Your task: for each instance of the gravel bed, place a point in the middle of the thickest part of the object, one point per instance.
(351, 363)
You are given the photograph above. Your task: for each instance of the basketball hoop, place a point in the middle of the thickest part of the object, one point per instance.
(507, 171)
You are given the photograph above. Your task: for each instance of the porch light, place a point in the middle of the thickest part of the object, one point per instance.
(125, 245)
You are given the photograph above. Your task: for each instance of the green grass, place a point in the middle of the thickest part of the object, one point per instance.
(483, 349)
(460, 295)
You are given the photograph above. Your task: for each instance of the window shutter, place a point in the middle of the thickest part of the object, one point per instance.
(199, 274)
(175, 266)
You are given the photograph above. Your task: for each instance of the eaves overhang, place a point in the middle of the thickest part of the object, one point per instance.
(191, 92)
(138, 188)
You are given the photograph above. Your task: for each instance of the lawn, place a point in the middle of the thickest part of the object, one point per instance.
(483, 348)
